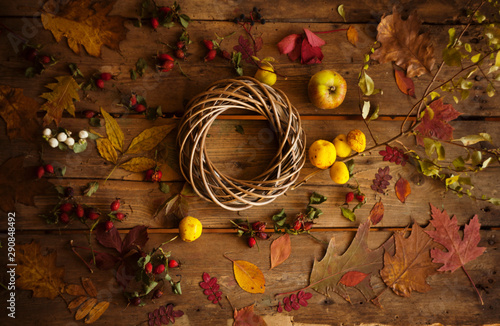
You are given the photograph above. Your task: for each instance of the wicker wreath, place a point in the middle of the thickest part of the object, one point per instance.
(247, 94)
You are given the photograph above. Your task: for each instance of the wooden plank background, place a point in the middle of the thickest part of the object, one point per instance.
(451, 301)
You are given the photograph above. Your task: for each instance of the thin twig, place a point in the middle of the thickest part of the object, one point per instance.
(81, 258)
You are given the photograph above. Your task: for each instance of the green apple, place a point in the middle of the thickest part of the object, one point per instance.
(327, 89)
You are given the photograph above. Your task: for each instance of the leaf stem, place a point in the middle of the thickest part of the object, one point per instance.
(474, 285)
(81, 258)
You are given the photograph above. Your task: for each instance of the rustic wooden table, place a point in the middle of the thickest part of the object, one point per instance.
(451, 300)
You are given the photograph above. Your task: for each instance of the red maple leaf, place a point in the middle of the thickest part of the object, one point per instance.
(435, 124)
(459, 250)
(306, 47)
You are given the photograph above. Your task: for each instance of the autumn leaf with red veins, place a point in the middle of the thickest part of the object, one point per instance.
(306, 47)
(434, 123)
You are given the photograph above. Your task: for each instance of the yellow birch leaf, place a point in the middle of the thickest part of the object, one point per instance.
(149, 139)
(38, 272)
(62, 97)
(97, 312)
(19, 112)
(249, 276)
(85, 308)
(113, 130)
(85, 22)
(107, 150)
(352, 35)
(76, 302)
(138, 164)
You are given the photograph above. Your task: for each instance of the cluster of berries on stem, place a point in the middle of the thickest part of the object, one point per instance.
(39, 60)
(251, 19)
(252, 231)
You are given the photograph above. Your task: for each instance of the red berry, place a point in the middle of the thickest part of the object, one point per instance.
(165, 10)
(99, 83)
(64, 218)
(156, 177)
(80, 212)
(108, 225)
(208, 44)
(210, 55)
(360, 198)
(180, 54)
(157, 294)
(135, 301)
(297, 225)
(66, 207)
(140, 108)
(349, 197)
(89, 114)
(115, 205)
(226, 55)
(173, 263)
(119, 216)
(154, 22)
(106, 76)
(149, 175)
(258, 226)
(180, 44)
(165, 57)
(133, 100)
(262, 235)
(49, 168)
(167, 66)
(44, 59)
(93, 215)
(40, 171)
(251, 242)
(308, 225)
(148, 268)
(159, 269)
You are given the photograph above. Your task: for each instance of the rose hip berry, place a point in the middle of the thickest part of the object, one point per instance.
(106, 76)
(173, 263)
(135, 301)
(80, 212)
(165, 57)
(99, 83)
(251, 242)
(349, 197)
(148, 268)
(115, 205)
(180, 54)
(133, 100)
(210, 55)
(157, 294)
(108, 225)
(64, 218)
(89, 114)
(180, 44)
(159, 269)
(44, 59)
(167, 66)
(149, 174)
(360, 198)
(297, 226)
(49, 168)
(140, 108)
(258, 226)
(155, 23)
(92, 215)
(208, 44)
(156, 177)
(164, 10)
(40, 171)
(119, 216)
(66, 207)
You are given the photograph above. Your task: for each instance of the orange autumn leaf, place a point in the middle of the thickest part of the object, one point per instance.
(280, 250)
(403, 189)
(96, 312)
(75, 289)
(85, 308)
(64, 94)
(352, 35)
(76, 302)
(353, 278)
(249, 276)
(89, 287)
(86, 23)
(38, 272)
(246, 317)
(377, 212)
(405, 84)
(18, 112)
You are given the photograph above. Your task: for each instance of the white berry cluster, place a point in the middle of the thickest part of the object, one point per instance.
(63, 136)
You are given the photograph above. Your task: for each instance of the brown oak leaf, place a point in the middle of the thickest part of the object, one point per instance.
(19, 184)
(85, 22)
(62, 97)
(434, 123)
(38, 272)
(246, 317)
(18, 112)
(403, 44)
(327, 273)
(408, 269)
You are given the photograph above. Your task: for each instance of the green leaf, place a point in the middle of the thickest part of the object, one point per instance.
(280, 218)
(432, 146)
(477, 157)
(80, 147)
(497, 59)
(451, 33)
(486, 163)
(366, 84)
(341, 11)
(374, 115)
(350, 166)
(459, 163)
(239, 129)
(348, 214)
(475, 58)
(95, 122)
(473, 139)
(365, 110)
(452, 57)
(434, 95)
(133, 74)
(164, 187)
(468, 48)
(184, 20)
(313, 212)
(140, 66)
(494, 201)
(316, 199)
(428, 168)
(91, 189)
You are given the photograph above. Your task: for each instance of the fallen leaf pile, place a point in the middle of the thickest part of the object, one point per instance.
(86, 301)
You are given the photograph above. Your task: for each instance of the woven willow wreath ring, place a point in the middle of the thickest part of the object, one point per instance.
(244, 93)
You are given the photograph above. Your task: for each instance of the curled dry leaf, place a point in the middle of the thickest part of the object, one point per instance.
(377, 212)
(85, 308)
(402, 188)
(352, 35)
(405, 84)
(96, 312)
(247, 317)
(18, 112)
(280, 250)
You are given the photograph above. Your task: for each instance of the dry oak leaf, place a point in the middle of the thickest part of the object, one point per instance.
(403, 44)
(327, 273)
(281, 249)
(408, 269)
(18, 112)
(62, 97)
(18, 184)
(246, 317)
(38, 272)
(434, 123)
(85, 22)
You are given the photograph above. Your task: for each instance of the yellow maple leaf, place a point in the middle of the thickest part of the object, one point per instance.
(60, 99)
(85, 22)
(38, 272)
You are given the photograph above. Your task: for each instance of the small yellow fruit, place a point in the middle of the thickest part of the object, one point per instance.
(341, 145)
(339, 173)
(190, 228)
(322, 154)
(266, 75)
(357, 140)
